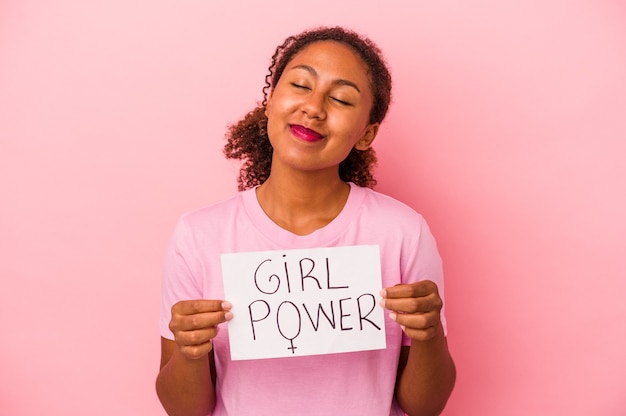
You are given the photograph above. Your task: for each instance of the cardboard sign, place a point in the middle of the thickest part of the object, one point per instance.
(292, 303)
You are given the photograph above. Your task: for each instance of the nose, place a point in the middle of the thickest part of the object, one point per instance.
(314, 106)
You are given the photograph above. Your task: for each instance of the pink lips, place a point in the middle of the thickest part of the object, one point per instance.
(305, 134)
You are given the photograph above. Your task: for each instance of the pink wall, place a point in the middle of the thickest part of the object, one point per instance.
(508, 132)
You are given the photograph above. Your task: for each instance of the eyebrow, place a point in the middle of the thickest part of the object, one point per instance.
(312, 70)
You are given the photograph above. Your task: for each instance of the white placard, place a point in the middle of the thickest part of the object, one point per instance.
(291, 303)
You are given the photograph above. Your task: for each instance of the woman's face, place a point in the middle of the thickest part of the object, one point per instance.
(319, 109)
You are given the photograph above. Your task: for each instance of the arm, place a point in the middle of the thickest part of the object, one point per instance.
(185, 385)
(426, 371)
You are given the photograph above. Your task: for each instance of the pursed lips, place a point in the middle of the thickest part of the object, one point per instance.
(304, 133)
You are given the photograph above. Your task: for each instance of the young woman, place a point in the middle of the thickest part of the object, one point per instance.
(305, 183)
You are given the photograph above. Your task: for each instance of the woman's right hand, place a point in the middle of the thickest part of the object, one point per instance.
(195, 324)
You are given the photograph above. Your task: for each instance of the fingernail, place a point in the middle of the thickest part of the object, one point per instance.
(392, 316)
(382, 303)
(383, 293)
(226, 305)
(228, 316)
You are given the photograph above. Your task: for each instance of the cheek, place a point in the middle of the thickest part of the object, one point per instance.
(348, 126)
(283, 102)
(273, 122)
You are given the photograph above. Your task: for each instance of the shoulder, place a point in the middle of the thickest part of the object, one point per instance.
(388, 207)
(216, 212)
(203, 224)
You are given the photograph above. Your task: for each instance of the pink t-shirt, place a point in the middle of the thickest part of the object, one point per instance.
(356, 383)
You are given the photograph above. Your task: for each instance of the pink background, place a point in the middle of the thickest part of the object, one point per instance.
(508, 132)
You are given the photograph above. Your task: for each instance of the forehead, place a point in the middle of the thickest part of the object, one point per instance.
(334, 58)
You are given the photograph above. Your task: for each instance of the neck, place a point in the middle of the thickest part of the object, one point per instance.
(303, 204)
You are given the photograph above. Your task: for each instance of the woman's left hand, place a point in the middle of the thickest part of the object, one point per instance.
(415, 307)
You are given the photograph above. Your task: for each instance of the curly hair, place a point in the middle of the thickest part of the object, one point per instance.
(247, 140)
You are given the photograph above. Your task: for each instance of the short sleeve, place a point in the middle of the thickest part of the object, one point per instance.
(180, 276)
(424, 263)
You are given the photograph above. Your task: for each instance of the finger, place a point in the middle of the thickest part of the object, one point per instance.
(420, 327)
(197, 337)
(421, 334)
(199, 320)
(418, 321)
(413, 305)
(196, 351)
(190, 307)
(412, 290)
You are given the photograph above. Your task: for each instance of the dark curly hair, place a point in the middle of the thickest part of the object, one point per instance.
(247, 139)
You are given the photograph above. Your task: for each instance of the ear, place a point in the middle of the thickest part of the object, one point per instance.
(368, 137)
(269, 102)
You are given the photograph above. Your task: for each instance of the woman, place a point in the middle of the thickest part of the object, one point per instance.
(305, 183)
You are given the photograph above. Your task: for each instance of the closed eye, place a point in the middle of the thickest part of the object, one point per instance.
(300, 86)
(342, 102)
